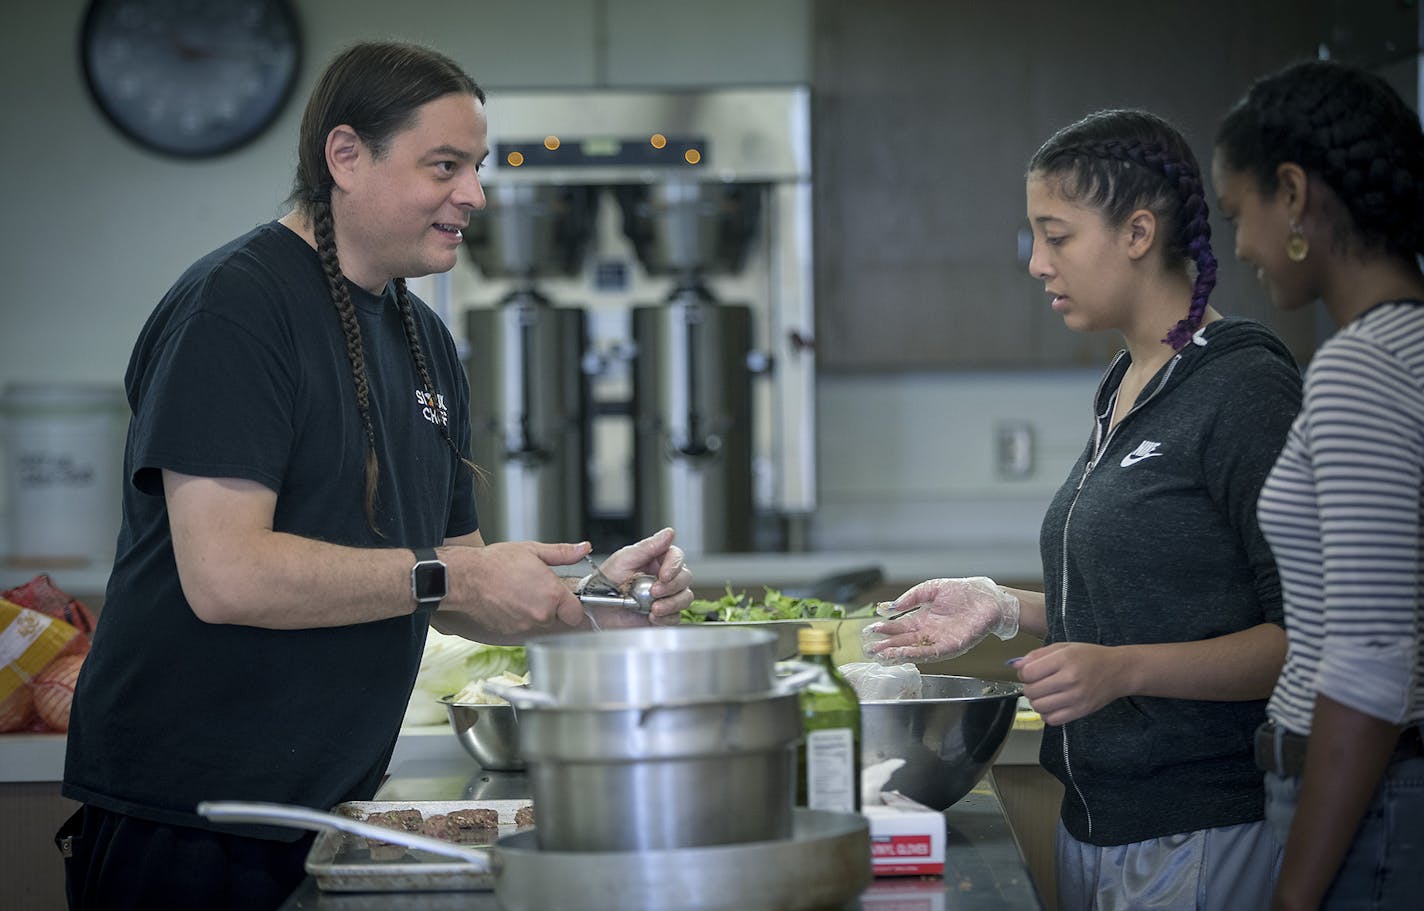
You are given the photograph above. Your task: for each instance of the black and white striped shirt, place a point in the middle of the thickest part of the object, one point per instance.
(1342, 512)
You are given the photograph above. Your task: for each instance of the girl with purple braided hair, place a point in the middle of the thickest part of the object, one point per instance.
(1321, 168)
(1161, 609)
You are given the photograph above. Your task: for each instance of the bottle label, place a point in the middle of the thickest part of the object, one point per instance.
(830, 770)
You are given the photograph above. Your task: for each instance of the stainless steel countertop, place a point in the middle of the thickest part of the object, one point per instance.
(984, 870)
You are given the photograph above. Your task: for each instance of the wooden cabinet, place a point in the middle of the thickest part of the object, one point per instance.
(925, 114)
(30, 813)
(1031, 798)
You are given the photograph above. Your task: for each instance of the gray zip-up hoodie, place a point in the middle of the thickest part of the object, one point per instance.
(1153, 538)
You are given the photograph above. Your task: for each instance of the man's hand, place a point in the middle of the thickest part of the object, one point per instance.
(507, 591)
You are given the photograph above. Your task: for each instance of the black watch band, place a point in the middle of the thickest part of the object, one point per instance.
(429, 581)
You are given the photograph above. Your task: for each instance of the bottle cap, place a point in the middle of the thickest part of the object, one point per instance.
(813, 641)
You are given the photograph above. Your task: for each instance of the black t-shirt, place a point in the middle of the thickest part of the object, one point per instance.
(242, 372)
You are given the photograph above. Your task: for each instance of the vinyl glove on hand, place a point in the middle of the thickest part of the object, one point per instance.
(950, 616)
(657, 556)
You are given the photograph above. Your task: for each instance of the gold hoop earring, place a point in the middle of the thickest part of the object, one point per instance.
(1297, 247)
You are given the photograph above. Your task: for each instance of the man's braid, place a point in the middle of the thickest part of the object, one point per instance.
(324, 230)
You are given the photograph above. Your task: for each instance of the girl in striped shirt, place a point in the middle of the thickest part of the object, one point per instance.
(1321, 168)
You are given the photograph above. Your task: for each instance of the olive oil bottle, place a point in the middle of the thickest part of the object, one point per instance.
(828, 758)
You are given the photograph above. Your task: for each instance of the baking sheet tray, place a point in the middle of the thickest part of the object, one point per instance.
(341, 862)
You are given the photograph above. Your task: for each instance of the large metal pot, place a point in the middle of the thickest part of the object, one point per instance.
(651, 665)
(699, 773)
(658, 738)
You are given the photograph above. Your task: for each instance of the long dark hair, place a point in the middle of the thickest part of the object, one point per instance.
(1350, 129)
(1124, 160)
(376, 88)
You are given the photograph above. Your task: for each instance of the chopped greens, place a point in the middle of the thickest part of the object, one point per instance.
(740, 608)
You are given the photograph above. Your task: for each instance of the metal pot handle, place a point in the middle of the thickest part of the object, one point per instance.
(520, 695)
(293, 817)
(796, 675)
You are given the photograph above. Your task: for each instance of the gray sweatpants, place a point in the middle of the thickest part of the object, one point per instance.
(1223, 869)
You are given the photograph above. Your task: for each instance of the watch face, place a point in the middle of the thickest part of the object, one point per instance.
(428, 581)
(190, 77)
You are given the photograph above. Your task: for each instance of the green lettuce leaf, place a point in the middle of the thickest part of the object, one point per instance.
(738, 607)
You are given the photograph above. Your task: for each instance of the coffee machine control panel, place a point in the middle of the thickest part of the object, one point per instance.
(655, 151)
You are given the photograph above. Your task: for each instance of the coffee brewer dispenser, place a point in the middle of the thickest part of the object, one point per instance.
(692, 389)
(680, 223)
(529, 414)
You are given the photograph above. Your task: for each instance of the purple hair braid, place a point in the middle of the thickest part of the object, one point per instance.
(1187, 182)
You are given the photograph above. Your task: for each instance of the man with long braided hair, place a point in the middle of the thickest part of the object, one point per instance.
(1161, 609)
(1321, 168)
(299, 447)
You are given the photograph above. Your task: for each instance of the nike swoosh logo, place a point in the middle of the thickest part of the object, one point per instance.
(1145, 450)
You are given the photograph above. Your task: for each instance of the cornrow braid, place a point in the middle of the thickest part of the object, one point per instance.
(1194, 215)
(1123, 160)
(1350, 129)
(324, 231)
(417, 354)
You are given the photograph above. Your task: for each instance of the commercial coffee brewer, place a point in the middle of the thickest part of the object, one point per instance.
(530, 408)
(639, 336)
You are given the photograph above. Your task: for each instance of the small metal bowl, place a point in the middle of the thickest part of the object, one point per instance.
(490, 733)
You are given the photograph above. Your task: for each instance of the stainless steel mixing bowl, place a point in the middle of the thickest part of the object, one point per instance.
(490, 733)
(948, 738)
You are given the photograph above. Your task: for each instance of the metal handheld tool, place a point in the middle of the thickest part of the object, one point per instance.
(597, 590)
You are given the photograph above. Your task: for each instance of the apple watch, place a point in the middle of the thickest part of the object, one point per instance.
(429, 582)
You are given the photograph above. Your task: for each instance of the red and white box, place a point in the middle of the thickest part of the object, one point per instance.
(905, 842)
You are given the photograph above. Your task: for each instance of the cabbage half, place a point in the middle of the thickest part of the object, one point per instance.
(448, 664)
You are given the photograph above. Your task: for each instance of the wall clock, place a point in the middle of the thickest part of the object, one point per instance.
(190, 78)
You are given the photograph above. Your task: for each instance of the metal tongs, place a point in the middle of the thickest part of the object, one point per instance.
(597, 590)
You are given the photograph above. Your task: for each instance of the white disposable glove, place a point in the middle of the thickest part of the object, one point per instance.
(656, 556)
(950, 616)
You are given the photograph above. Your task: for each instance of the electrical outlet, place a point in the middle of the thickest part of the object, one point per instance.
(1014, 449)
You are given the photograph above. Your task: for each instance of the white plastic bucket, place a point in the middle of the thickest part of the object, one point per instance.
(63, 461)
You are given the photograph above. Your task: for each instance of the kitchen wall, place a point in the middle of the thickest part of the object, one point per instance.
(95, 229)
